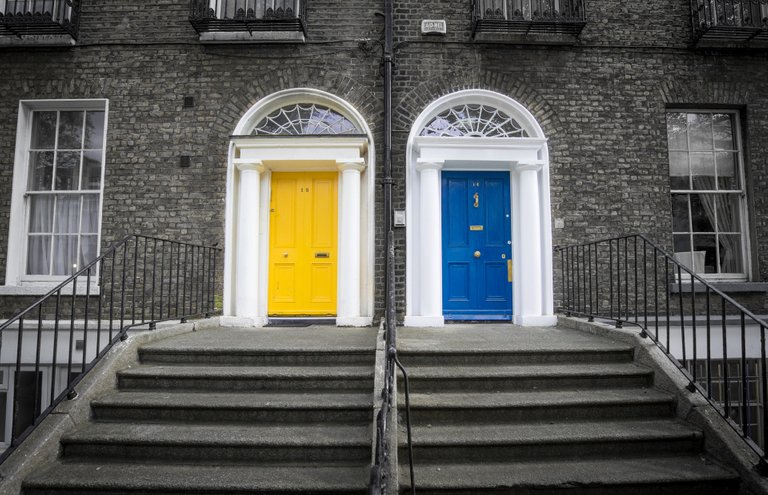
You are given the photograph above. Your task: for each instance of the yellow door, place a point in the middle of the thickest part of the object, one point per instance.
(302, 244)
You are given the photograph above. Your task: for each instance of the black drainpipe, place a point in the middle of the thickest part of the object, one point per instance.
(389, 264)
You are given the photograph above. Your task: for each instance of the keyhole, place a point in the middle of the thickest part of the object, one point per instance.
(477, 200)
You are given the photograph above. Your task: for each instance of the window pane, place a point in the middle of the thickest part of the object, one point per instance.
(676, 131)
(70, 130)
(67, 170)
(91, 170)
(680, 219)
(704, 250)
(90, 221)
(703, 207)
(40, 171)
(728, 213)
(41, 214)
(726, 171)
(67, 214)
(64, 254)
(700, 131)
(682, 242)
(703, 171)
(731, 253)
(39, 255)
(43, 130)
(678, 170)
(94, 130)
(87, 250)
(723, 130)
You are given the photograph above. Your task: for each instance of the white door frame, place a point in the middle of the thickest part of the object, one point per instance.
(527, 159)
(246, 246)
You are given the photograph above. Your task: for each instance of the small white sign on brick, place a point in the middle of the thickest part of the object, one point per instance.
(430, 26)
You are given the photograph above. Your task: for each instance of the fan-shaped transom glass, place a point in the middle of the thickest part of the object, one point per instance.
(304, 119)
(474, 121)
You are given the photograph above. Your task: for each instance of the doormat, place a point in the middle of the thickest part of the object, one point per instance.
(298, 322)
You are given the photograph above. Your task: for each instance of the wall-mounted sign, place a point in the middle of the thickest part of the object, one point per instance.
(433, 27)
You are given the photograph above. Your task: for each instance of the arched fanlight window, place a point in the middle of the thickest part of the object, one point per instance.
(473, 121)
(304, 119)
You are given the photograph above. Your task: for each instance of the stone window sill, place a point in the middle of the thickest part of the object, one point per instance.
(727, 287)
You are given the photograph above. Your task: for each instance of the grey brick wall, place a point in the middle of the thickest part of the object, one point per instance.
(601, 103)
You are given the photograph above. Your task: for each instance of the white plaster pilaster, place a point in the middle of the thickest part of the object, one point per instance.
(247, 240)
(348, 306)
(528, 268)
(430, 244)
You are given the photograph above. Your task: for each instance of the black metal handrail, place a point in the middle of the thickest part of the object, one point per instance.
(729, 20)
(139, 280)
(40, 17)
(248, 15)
(717, 343)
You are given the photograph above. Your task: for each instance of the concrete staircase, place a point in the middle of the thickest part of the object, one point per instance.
(522, 411)
(284, 411)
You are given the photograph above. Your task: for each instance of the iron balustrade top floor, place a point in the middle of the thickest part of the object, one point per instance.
(29, 24)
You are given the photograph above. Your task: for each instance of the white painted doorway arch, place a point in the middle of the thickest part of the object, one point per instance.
(447, 136)
(260, 144)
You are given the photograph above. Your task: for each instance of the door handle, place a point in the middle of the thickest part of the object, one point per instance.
(509, 270)
(477, 254)
(476, 197)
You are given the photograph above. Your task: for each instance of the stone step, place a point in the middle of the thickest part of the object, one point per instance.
(528, 377)
(320, 407)
(673, 475)
(206, 443)
(105, 478)
(518, 407)
(157, 354)
(540, 441)
(614, 353)
(242, 378)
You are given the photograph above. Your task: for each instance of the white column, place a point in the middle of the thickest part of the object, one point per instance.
(430, 244)
(348, 311)
(246, 269)
(528, 269)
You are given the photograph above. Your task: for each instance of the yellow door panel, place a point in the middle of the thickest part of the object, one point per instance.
(323, 281)
(303, 237)
(283, 224)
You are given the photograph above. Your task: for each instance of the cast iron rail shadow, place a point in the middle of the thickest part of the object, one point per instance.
(138, 281)
(40, 17)
(717, 343)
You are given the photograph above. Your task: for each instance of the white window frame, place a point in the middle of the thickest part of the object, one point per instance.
(16, 280)
(742, 195)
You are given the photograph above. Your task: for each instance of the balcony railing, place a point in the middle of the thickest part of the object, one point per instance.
(563, 19)
(248, 15)
(39, 17)
(729, 21)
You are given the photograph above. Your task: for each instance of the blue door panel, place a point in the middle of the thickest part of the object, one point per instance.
(476, 245)
(458, 282)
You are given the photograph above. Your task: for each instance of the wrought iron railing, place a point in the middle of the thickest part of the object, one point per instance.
(718, 344)
(40, 17)
(47, 349)
(248, 15)
(529, 16)
(730, 20)
(379, 482)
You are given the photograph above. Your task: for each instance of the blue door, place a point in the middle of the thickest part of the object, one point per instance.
(477, 246)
